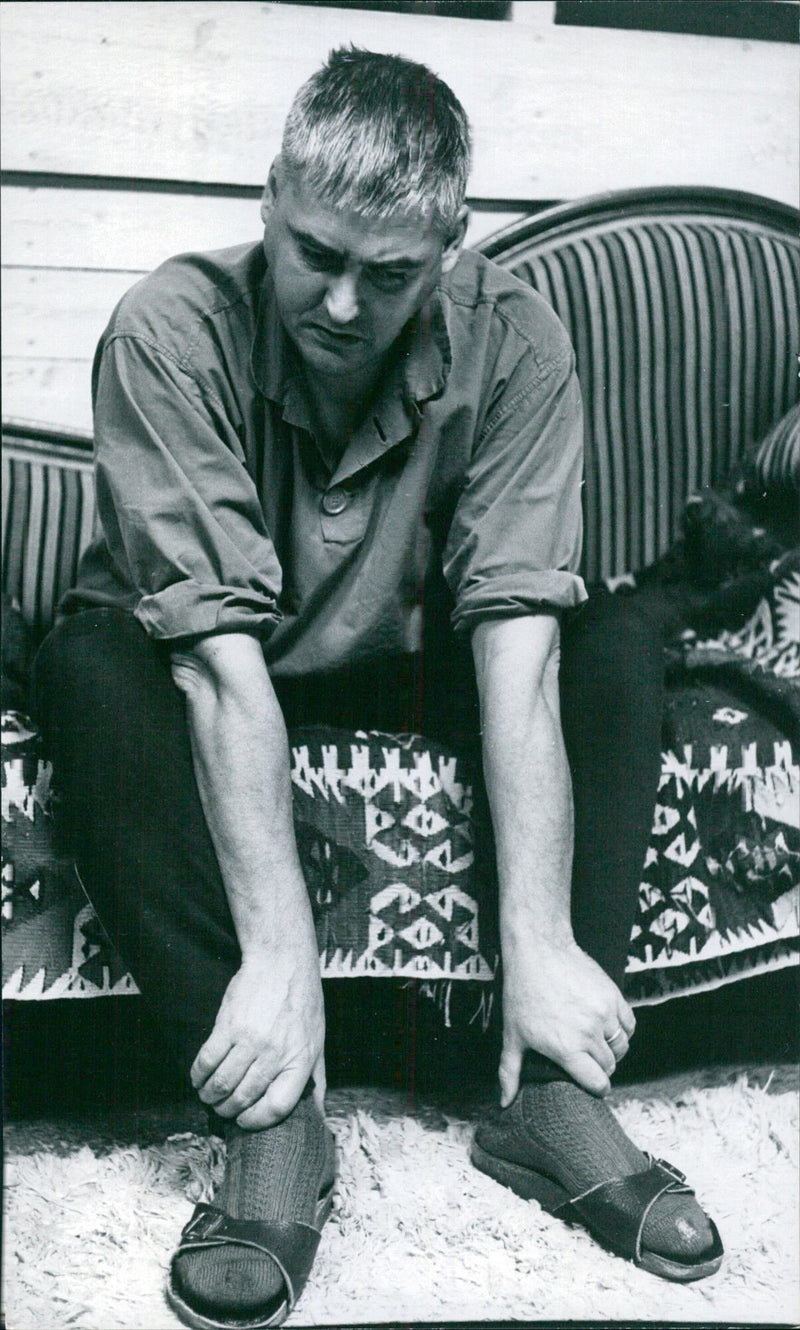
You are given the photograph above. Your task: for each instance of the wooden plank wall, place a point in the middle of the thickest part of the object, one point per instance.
(132, 131)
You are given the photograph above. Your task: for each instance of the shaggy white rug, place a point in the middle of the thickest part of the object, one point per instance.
(417, 1234)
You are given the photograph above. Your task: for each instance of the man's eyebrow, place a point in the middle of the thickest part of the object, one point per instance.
(306, 238)
(402, 260)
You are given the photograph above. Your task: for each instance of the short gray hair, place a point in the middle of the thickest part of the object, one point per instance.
(380, 135)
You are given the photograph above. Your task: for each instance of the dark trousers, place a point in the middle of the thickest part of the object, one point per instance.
(130, 812)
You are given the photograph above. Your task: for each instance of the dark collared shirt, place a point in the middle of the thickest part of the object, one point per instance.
(221, 512)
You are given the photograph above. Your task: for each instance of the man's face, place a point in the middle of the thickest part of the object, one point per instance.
(346, 285)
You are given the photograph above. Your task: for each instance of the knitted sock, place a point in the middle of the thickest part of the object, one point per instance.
(276, 1174)
(559, 1129)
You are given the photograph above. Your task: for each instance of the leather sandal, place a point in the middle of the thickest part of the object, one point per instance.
(614, 1212)
(292, 1246)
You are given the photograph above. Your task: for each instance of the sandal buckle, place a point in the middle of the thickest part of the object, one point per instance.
(203, 1224)
(672, 1170)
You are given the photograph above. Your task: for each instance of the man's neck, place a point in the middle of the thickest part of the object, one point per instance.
(340, 403)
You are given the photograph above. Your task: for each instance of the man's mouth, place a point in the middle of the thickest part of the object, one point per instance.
(338, 336)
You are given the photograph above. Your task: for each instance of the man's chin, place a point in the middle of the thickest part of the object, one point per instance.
(329, 355)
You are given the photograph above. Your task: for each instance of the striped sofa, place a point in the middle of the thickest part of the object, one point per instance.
(683, 306)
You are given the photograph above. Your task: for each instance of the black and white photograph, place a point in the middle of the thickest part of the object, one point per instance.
(400, 663)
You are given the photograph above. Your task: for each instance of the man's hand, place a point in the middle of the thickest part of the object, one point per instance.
(558, 1001)
(267, 1040)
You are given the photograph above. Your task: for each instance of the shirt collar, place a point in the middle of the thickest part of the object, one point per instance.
(419, 374)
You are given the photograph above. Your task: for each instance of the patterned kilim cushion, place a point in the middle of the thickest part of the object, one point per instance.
(720, 892)
(719, 896)
(53, 945)
(385, 832)
(387, 835)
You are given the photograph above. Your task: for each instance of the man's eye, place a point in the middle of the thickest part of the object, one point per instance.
(319, 259)
(389, 279)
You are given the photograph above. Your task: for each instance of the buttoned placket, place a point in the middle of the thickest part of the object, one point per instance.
(346, 499)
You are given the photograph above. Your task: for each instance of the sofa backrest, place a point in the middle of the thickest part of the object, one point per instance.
(683, 307)
(48, 518)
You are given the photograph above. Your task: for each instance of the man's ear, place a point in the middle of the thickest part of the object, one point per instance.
(454, 243)
(271, 190)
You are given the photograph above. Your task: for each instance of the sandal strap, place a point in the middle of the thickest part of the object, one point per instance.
(617, 1209)
(291, 1245)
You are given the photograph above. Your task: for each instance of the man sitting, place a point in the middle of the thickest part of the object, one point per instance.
(339, 477)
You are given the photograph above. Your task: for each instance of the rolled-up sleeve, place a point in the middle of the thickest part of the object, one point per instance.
(179, 510)
(514, 544)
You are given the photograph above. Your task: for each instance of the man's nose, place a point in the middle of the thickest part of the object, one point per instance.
(341, 300)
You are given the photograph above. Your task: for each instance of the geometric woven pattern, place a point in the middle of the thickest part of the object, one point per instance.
(387, 836)
(770, 638)
(53, 946)
(384, 822)
(719, 894)
(721, 889)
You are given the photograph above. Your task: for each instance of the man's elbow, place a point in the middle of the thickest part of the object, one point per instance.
(525, 647)
(225, 665)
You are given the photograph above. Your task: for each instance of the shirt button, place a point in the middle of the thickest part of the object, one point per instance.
(335, 501)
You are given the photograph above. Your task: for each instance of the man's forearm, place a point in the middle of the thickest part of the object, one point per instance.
(268, 1037)
(241, 761)
(527, 775)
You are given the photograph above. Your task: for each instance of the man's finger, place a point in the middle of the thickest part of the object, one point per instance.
(508, 1074)
(616, 1039)
(626, 1017)
(584, 1069)
(277, 1101)
(619, 1047)
(216, 1047)
(225, 1078)
(250, 1089)
(605, 1055)
(320, 1084)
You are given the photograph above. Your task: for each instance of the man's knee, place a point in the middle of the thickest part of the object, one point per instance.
(612, 667)
(614, 639)
(111, 717)
(93, 661)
